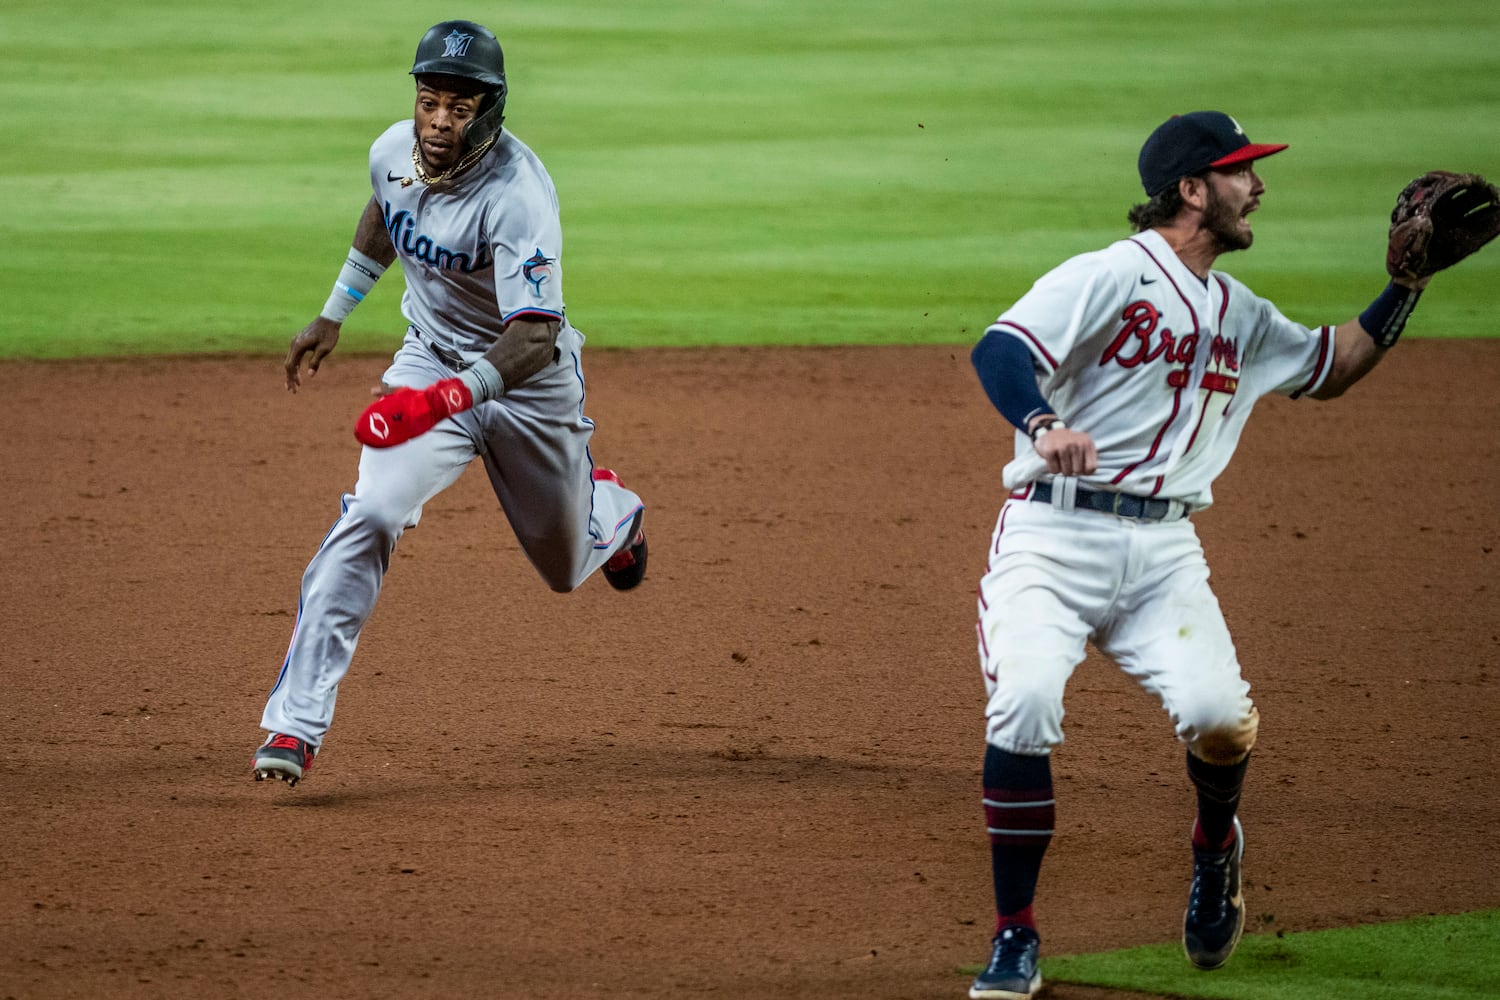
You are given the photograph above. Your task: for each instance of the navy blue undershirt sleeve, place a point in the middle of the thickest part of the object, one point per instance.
(1005, 369)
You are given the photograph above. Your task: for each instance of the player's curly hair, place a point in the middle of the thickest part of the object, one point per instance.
(1159, 211)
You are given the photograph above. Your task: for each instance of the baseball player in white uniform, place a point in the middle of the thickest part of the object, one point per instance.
(490, 367)
(1129, 374)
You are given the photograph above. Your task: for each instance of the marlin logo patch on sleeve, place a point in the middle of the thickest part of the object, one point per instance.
(537, 269)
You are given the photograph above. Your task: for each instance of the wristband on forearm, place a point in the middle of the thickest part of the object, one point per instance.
(1052, 423)
(483, 380)
(1386, 317)
(357, 277)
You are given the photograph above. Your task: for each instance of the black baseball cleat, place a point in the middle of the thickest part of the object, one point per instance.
(284, 758)
(1216, 908)
(627, 567)
(1013, 973)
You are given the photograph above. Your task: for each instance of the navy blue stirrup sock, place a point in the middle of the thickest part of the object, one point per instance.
(1219, 787)
(1019, 815)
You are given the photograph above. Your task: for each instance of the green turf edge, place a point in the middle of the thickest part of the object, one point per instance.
(1447, 957)
(741, 172)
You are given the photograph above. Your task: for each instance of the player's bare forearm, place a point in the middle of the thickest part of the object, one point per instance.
(1354, 355)
(1355, 352)
(524, 348)
(318, 339)
(371, 237)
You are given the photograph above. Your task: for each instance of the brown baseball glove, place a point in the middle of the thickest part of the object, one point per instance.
(1439, 219)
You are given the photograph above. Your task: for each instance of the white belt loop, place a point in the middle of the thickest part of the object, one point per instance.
(1064, 492)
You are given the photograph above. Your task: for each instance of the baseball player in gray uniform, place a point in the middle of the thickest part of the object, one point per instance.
(490, 367)
(1129, 373)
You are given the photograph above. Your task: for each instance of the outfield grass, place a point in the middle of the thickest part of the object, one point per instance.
(1437, 958)
(186, 176)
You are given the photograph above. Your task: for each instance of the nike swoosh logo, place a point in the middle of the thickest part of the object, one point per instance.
(1146, 281)
(392, 177)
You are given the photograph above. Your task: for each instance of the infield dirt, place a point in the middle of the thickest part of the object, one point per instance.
(757, 775)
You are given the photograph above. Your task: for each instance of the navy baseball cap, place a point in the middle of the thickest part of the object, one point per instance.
(1184, 145)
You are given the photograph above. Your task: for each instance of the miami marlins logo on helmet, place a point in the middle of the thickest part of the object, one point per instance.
(456, 44)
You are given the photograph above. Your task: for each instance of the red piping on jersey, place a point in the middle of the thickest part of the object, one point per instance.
(1036, 345)
(1175, 287)
(1156, 444)
(1193, 437)
(545, 315)
(1212, 381)
(1020, 494)
(1318, 373)
(979, 590)
(1177, 396)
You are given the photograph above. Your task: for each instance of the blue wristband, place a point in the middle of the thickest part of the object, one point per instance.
(1386, 317)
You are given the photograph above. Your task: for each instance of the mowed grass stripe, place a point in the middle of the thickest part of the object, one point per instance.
(741, 172)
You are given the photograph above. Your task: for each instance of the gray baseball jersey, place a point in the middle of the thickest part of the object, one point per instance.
(476, 253)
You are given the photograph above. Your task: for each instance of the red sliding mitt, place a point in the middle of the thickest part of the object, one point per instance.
(406, 413)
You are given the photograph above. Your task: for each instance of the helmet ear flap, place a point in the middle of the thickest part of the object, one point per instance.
(484, 126)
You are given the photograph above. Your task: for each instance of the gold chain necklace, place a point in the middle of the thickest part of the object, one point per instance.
(469, 159)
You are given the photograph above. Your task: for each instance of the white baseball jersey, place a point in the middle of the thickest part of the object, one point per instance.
(1160, 368)
(475, 254)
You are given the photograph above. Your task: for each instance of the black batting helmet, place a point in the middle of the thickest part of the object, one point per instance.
(468, 51)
